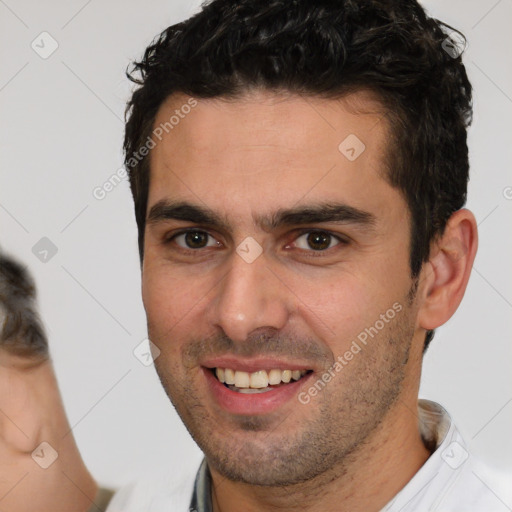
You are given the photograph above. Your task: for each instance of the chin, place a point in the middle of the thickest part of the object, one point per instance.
(267, 459)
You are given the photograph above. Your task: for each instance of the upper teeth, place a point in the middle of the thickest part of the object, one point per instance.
(259, 379)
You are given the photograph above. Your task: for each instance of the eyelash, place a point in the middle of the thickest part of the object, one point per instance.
(311, 253)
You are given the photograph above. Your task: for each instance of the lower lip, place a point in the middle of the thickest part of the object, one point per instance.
(253, 403)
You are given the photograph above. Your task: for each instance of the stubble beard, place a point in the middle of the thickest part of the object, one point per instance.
(283, 451)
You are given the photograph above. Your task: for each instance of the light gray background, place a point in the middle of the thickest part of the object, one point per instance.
(61, 133)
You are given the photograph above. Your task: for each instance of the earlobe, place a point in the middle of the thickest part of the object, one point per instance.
(447, 273)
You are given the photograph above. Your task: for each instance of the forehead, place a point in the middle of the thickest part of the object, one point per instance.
(267, 148)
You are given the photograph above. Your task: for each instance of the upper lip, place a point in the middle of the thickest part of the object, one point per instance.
(254, 364)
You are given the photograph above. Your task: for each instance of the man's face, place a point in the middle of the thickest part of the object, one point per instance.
(275, 280)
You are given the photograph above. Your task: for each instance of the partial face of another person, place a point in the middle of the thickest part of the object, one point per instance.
(301, 263)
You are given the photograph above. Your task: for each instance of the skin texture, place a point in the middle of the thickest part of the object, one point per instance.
(31, 412)
(357, 442)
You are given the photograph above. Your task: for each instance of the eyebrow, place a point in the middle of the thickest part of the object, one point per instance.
(316, 213)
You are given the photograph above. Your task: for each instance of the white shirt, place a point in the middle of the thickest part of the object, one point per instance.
(451, 480)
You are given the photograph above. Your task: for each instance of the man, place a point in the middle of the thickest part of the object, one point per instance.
(299, 171)
(41, 467)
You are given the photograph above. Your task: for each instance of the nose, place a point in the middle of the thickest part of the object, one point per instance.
(249, 297)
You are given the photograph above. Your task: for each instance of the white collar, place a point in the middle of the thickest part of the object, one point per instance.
(429, 485)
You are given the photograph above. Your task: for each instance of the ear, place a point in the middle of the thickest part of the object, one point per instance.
(445, 276)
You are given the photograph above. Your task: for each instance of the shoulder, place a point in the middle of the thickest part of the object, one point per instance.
(155, 493)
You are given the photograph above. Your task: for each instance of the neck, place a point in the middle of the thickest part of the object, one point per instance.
(365, 481)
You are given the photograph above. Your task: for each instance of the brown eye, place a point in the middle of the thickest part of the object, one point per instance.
(319, 241)
(194, 240)
(316, 240)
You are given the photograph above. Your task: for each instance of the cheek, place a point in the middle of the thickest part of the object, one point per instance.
(339, 308)
(171, 301)
(19, 424)
(163, 302)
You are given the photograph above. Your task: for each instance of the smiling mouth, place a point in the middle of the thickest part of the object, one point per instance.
(260, 381)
